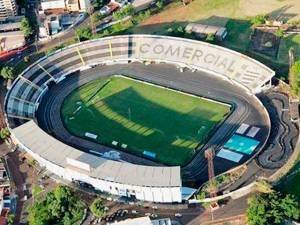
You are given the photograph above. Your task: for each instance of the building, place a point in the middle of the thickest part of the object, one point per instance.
(52, 4)
(146, 183)
(202, 30)
(72, 5)
(11, 36)
(143, 221)
(84, 5)
(8, 8)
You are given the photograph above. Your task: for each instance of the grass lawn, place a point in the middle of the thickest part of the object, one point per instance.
(238, 36)
(291, 182)
(292, 40)
(145, 117)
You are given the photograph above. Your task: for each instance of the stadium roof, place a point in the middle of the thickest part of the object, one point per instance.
(135, 221)
(51, 149)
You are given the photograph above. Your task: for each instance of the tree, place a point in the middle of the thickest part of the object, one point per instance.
(272, 208)
(294, 77)
(210, 37)
(84, 33)
(26, 27)
(96, 17)
(279, 33)
(122, 13)
(159, 4)
(10, 219)
(259, 19)
(59, 206)
(7, 72)
(97, 4)
(4, 133)
(97, 208)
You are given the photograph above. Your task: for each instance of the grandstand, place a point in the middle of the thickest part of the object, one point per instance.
(24, 99)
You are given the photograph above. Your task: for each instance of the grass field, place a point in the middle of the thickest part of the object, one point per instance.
(290, 183)
(145, 117)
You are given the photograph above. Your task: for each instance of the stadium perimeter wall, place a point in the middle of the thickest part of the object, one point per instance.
(146, 183)
(227, 64)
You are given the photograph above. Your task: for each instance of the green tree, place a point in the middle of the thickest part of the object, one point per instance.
(96, 17)
(279, 32)
(210, 37)
(84, 33)
(97, 4)
(259, 19)
(10, 219)
(272, 208)
(4, 133)
(159, 4)
(98, 208)
(122, 13)
(26, 27)
(59, 206)
(294, 77)
(7, 72)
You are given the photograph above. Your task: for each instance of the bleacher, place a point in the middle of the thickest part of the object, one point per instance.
(25, 93)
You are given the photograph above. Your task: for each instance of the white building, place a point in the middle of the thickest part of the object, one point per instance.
(11, 37)
(84, 5)
(53, 4)
(142, 221)
(8, 8)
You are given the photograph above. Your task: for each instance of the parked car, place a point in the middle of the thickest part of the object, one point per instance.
(105, 10)
(178, 215)
(108, 9)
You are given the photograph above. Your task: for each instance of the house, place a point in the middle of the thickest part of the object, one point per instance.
(202, 30)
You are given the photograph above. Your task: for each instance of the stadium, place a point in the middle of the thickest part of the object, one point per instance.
(132, 115)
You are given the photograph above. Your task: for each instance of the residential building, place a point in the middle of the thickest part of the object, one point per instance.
(84, 5)
(52, 4)
(11, 36)
(72, 5)
(8, 8)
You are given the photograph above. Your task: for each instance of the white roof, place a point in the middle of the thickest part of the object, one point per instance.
(136, 221)
(34, 138)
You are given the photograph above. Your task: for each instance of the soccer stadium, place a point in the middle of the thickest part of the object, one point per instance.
(133, 115)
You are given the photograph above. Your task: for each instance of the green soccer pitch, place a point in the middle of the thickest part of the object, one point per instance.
(142, 117)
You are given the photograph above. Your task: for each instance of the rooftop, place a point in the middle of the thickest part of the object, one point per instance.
(41, 143)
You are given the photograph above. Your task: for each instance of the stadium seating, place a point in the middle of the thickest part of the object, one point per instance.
(25, 93)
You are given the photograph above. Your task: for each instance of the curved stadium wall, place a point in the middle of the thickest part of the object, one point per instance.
(163, 184)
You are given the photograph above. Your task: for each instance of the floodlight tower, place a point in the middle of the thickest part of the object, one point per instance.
(209, 155)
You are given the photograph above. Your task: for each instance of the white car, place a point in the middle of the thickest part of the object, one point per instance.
(105, 10)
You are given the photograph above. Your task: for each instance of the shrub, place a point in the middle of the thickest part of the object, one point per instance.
(259, 19)
(84, 33)
(279, 32)
(98, 208)
(7, 72)
(4, 133)
(272, 208)
(122, 13)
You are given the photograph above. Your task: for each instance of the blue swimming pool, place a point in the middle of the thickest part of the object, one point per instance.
(241, 144)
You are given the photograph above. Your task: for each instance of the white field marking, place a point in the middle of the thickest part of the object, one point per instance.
(77, 110)
(181, 92)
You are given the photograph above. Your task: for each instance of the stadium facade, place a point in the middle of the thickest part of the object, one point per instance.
(147, 183)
